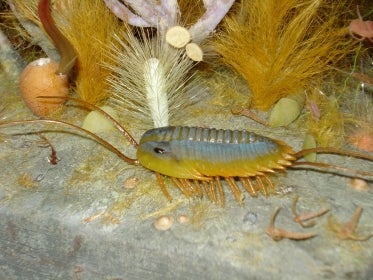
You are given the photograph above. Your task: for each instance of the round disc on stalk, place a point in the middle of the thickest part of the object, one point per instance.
(194, 52)
(178, 36)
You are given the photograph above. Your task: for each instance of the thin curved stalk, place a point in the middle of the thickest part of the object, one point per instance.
(66, 50)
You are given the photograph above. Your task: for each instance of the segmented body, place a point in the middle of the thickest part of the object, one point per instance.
(193, 156)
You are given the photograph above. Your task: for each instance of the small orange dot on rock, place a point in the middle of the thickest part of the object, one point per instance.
(362, 140)
(164, 222)
(131, 182)
(359, 184)
(183, 219)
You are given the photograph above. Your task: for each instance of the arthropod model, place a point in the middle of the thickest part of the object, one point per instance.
(198, 159)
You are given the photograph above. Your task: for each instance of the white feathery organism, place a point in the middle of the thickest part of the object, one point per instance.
(152, 72)
(155, 92)
(151, 80)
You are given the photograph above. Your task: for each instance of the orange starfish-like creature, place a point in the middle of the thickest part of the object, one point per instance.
(347, 231)
(279, 233)
(301, 218)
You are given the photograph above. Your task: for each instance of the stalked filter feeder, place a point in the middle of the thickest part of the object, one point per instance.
(179, 37)
(44, 76)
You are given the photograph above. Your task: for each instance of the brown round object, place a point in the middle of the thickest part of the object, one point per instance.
(39, 78)
(164, 222)
(183, 219)
(359, 184)
(131, 182)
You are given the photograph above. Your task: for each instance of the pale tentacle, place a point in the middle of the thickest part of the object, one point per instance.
(123, 13)
(165, 14)
(215, 11)
(147, 13)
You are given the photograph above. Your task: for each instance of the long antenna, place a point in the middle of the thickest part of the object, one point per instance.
(96, 137)
(331, 166)
(331, 150)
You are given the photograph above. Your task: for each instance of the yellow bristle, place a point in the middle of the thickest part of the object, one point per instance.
(89, 26)
(328, 128)
(280, 46)
(28, 10)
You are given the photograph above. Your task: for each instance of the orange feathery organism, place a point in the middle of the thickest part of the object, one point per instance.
(89, 25)
(283, 45)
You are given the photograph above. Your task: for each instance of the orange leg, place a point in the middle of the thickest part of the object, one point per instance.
(220, 190)
(163, 186)
(246, 183)
(213, 190)
(269, 182)
(207, 189)
(261, 185)
(235, 189)
(181, 187)
(188, 186)
(198, 188)
(347, 230)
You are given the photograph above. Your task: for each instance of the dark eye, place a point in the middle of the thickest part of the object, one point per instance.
(158, 150)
